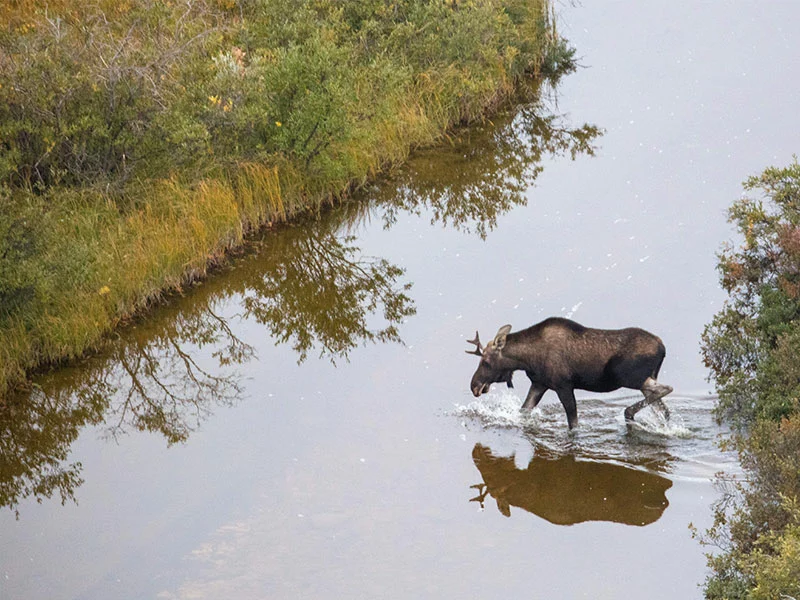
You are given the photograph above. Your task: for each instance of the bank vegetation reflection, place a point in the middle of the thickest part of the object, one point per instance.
(486, 170)
(308, 284)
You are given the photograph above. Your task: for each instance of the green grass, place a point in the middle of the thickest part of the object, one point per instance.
(141, 140)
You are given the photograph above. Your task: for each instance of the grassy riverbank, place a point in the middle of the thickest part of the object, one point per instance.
(142, 139)
(752, 350)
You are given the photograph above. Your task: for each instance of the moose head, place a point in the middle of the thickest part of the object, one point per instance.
(494, 367)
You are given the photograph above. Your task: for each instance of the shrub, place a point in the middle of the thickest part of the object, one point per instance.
(751, 348)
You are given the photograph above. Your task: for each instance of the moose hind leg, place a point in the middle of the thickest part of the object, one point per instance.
(653, 392)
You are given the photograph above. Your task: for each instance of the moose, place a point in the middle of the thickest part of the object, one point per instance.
(562, 355)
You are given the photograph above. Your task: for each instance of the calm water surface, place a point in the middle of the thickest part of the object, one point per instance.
(269, 436)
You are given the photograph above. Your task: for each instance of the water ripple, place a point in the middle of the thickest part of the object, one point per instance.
(685, 446)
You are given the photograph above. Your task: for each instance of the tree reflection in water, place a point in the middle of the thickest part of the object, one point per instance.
(36, 433)
(308, 284)
(148, 379)
(486, 169)
(156, 380)
(316, 291)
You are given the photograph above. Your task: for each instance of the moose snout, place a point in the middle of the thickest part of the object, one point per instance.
(479, 388)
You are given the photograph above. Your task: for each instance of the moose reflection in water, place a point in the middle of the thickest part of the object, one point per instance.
(565, 490)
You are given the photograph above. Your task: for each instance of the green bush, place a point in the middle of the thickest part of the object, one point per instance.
(90, 97)
(757, 524)
(762, 278)
(751, 347)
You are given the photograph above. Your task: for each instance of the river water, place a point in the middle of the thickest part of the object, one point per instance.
(301, 426)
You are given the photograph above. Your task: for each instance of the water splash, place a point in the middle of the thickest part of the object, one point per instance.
(687, 442)
(497, 409)
(653, 422)
(501, 409)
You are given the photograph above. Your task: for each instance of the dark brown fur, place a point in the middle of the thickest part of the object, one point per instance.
(562, 355)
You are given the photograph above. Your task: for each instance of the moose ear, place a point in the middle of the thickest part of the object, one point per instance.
(500, 339)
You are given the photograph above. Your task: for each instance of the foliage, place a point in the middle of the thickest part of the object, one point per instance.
(751, 347)
(756, 524)
(100, 93)
(35, 437)
(487, 168)
(141, 139)
(748, 344)
(315, 291)
(92, 95)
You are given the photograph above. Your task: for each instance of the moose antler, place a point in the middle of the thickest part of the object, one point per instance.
(478, 347)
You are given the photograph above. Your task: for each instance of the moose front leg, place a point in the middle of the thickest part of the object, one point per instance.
(534, 396)
(567, 397)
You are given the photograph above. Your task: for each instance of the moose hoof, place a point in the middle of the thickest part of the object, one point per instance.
(629, 414)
